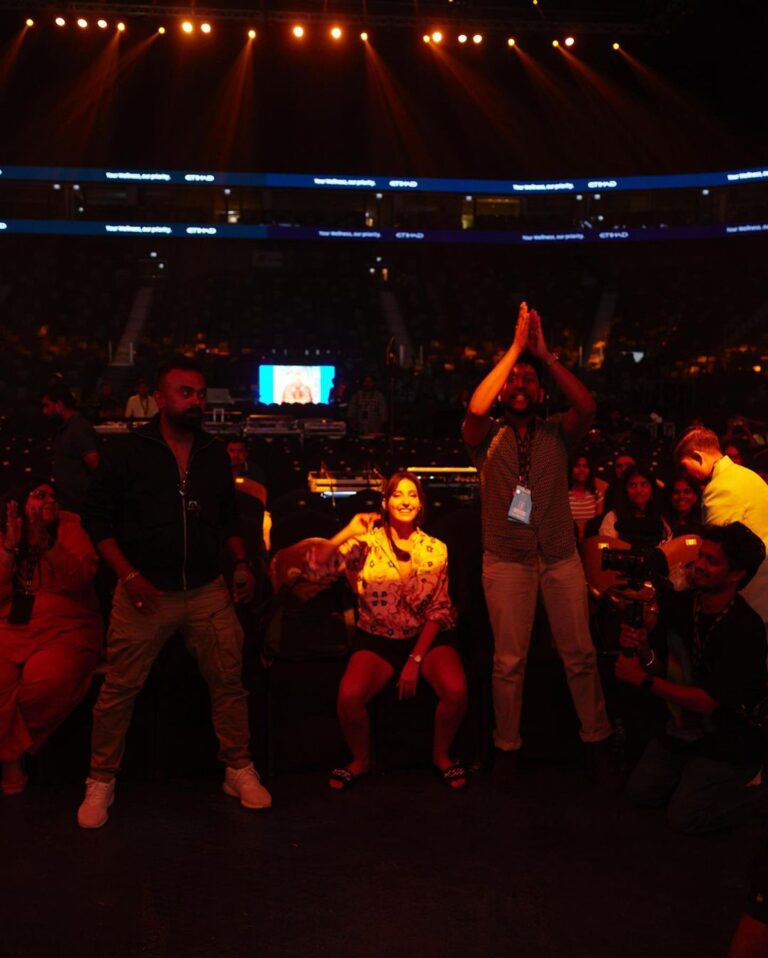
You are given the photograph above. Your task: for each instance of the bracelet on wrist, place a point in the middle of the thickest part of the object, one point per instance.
(131, 575)
(649, 663)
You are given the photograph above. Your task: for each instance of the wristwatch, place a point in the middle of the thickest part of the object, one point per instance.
(418, 659)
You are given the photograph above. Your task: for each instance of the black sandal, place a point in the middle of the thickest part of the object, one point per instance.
(455, 773)
(344, 777)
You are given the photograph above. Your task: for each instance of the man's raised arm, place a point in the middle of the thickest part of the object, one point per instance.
(477, 421)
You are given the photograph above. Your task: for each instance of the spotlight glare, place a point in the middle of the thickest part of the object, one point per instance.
(82, 23)
(121, 27)
(510, 41)
(555, 43)
(437, 36)
(60, 22)
(187, 26)
(617, 46)
(29, 22)
(569, 41)
(477, 38)
(427, 38)
(251, 34)
(336, 33)
(462, 38)
(298, 31)
(161, 30)
(205, 28)
(101, 24)
(364, 36)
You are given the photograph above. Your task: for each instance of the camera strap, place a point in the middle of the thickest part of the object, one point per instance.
(700, 638)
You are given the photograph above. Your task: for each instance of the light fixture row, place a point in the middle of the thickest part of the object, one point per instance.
(299, 32)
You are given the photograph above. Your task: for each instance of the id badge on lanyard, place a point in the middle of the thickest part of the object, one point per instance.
(521, 506)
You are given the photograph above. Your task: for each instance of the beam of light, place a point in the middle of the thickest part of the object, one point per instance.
(9, 54)
(396, 129)
(121, 27)
(616, 46)
(101, 24)
(205, 28)
(29, 22)
(187, 26)
(569, 41)
(477, 38)
(555, 43)
(251, 34)
(437, 36)
(82, 23)
(60, 22)
(364, 36)
(298, 31)
(463, 38)
(427, 38)
(231, 111)
(510, 41)
(337, 33)
(161, 31)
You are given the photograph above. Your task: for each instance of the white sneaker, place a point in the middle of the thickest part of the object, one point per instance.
(93, 813)
(243, 783)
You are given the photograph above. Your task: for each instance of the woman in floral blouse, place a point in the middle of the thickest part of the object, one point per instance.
(405, 623)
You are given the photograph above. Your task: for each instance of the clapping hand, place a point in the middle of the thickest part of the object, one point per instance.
(12, 537)
(537, 345)
(522, 328)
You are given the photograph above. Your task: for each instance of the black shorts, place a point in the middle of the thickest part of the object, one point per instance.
(395, 652)
(757, 903)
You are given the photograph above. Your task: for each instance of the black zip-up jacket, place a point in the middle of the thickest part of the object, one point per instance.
(173, 536)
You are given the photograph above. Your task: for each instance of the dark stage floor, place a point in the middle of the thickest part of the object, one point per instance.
(397, 866)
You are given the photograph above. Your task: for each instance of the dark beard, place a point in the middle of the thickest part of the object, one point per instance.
(191, 420)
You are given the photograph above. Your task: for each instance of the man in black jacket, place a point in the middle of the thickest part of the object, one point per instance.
(160, 505)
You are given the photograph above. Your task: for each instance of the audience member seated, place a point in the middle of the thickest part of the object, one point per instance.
(585, 496)
(367, 411)
(50, 626)
(405, 623)
(636, 517)
(683, 507)
(706, 766)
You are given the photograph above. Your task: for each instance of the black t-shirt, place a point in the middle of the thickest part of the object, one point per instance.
(730, 667)
(74, 440)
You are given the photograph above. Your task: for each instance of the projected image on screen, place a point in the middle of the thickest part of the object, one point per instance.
(295, 384)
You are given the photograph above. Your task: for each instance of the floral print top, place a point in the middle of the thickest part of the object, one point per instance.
(393, 603)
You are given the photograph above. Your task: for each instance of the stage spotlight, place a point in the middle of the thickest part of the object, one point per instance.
(60, 22)
(336, 33)
(82, 23)
(555, 43)
(187, 26)
(121, 27)
(463, 38)
(477, 38)
(569, 41)
(29, 22)
(161, 30)
(205, 28)
(101, 24)
(364, 36)
(617, 46)
(427, 38)
(251, 34)
(437, 37)
(298, 31)
(510, 41)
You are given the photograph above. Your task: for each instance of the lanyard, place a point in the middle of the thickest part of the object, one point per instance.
(524, 443)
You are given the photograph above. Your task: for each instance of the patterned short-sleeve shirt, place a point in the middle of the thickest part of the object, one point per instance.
(550, 534)
(393, 604)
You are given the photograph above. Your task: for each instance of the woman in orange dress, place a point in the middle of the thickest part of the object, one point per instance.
(51, 630)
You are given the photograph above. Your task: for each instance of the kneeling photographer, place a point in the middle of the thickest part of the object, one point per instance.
(707, 661)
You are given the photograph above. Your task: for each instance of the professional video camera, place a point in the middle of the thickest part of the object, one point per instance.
(640, 575)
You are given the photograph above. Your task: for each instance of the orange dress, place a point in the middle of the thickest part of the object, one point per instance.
(46, 664)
